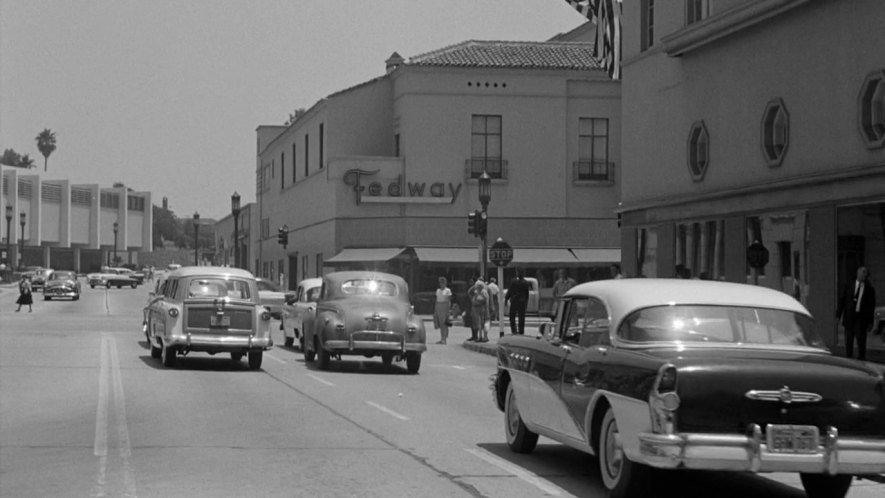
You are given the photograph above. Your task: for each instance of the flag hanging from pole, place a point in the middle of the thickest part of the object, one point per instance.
(606, 15)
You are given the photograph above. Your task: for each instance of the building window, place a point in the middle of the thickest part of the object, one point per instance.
(79, 196)
(648, 24)
(265, 228)
(700, 250)
(52, 193)
(696, 10)
(485, 147)
(871, 107)
(593, 161)
(647, 252)
(107, 200)
(775, 132)
(294, 156)
(282, 170)
(321, 139)
(698, 150)
(396, 151)
(306, 155)
(135, 203)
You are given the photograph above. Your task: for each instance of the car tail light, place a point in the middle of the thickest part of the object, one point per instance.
(663, 401)
(173, 312)
(412, 329)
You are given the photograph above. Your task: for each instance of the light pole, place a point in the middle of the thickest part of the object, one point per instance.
(21, 252)
(116, 229)
(485, 196)
(196, 240)
(8, 245)
(235, 210)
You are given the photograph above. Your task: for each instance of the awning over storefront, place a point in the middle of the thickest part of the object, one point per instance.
(447, 254)
(543, 255)
(597, 255)
(365, 255)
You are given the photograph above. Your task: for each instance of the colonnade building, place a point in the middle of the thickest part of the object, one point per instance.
(60, 225)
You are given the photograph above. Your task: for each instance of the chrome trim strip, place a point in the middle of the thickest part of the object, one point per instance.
(784, 395)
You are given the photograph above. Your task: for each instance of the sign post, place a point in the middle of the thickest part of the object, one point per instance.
(501, 254)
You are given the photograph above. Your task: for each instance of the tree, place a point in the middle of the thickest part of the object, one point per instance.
(293, 116)
(12, 158)
(46, 145)
(26, 162)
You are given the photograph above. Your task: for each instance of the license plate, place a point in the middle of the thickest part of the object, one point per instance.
(219, 321)
(792, 438)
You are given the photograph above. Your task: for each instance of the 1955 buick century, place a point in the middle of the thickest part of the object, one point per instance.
(687, 374)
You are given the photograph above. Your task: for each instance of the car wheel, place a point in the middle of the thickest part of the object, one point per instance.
(413, 362)
(309, 354)
(91, 286)
(119, 286)
(255, 358)
(519, 437)
(325, 357)
(76, 298)
(622, 477)
(236, 356)
(134, 285)
(387, 359)
(289, 341)
(168, 356)
(46, 298)
(825, 486)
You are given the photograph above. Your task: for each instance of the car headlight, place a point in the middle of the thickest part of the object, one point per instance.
(173, 312)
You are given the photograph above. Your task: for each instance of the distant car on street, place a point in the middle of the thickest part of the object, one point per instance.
(207, 309)
(112, 277)
(38, 280)
(299, 305)
(271, 295)
(61, 283)
(364, 313)
(691, 374)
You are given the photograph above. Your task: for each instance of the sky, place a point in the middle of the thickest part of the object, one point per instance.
(165, 96)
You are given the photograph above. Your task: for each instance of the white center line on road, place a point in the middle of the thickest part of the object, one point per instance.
(459, 367)
(109, 369)
(387, 410)
(321, 380)
(274, 358)
(544, 485)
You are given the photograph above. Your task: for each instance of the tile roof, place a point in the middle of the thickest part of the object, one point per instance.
(511, 54)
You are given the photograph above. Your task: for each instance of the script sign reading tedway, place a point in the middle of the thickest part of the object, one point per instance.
(501, 254)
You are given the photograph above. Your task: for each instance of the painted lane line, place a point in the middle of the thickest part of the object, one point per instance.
(125, 446)
(539, 482)
(458, 367)
(274, 358)
(387, 410)
(109, 369)
(321, 380)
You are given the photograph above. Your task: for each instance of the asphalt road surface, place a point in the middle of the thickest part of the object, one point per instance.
(85, 411)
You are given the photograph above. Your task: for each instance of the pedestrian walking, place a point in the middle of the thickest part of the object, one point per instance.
(479, 311)
(24, 294)
(857, 305)
(442, 310)
(518, 297)
(563, 283)
(493, 297)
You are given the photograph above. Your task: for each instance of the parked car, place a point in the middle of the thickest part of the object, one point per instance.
(112, 277)
(208, 309)
(297, 306)
(533, 306)
(38, 280)
(154, 295)
(364, 313)
(61, 283)
(271, 296)
(692, 374)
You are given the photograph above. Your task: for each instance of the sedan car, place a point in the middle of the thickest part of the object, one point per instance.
(38, 281)
(689, 374)
(364, 313)
(299, 305)
(61, 283)
(271, 296)
(208, 309)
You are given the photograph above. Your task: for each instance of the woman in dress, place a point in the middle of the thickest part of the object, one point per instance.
(441, 309)
(24, 294)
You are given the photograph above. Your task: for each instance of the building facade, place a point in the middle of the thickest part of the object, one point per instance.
(754, 134)
(228, 236)
(56, 224)
(383, 174)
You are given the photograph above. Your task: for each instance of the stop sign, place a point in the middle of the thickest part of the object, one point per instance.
(757, 255)
(501, 254)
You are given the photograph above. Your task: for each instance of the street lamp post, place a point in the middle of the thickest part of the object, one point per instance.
(485, 196)
(196, 239)
(116, 229)
(8, 245)
(235, 210)
(21, 252)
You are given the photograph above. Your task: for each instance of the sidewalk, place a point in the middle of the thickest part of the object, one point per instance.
(458, 335)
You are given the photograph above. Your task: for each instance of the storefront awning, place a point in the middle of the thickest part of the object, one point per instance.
(544, 255)
(447, 254)
(597, 255)
(365, 255)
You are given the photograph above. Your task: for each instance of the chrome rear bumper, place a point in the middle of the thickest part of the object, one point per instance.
(750, 453)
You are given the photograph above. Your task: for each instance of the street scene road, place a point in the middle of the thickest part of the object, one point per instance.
(86, 411)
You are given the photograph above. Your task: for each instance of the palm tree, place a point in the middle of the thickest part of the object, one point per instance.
(46, 144)
(26, 162)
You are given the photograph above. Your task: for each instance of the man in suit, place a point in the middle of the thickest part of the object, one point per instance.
(518, 297)
(857, 304)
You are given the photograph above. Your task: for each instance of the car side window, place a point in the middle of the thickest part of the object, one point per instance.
(575, 311)
(313, 294)
(596, 323)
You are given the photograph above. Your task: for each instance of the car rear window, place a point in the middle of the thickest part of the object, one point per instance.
(219, 287)
(719, 324)
(368, 287)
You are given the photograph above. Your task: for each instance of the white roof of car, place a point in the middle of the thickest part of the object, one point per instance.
(626, 295)
(190, 271)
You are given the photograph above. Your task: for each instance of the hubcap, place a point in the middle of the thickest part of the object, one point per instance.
(512, 415)
(613, 451)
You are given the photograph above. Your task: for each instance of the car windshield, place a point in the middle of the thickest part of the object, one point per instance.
(219, 287)
(267, 285)
(719, 324)
(63, 275)
(368, 287)
(313, 294)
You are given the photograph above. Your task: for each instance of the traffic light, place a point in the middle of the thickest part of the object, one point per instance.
(283, 236)
(471, 223)
(482, 224)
